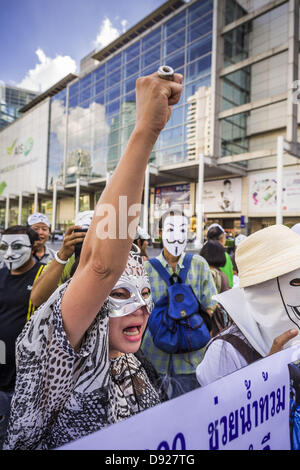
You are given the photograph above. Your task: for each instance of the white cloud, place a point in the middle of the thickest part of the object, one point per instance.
(47, 72)
(108, 33)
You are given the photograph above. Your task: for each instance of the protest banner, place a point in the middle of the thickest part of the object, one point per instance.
(253, 408)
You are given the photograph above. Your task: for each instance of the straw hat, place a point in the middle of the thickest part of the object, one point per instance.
(267, 254)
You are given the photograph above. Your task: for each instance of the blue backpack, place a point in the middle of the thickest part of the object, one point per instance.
(177, 321)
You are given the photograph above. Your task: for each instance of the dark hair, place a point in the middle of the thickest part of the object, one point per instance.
(214, 253)
(23, 229)
(167, 213)
(214, 233)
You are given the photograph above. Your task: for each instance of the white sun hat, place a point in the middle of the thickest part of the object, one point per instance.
(267, 254)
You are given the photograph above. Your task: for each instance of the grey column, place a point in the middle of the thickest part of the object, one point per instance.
(54, 202)
(7, 212)
(279, 217)
(20, 209)
(199, 202)
(216, 81)
(36, 200)
(77, 196)
(293, 63)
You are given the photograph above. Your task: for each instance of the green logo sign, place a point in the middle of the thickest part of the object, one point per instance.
(28, 146)
(10, 149)
(2, 186)
(20, 149)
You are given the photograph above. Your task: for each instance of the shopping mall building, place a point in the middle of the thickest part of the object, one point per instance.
(229, 151)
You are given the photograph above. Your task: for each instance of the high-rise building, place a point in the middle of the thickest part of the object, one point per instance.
(218, 152)
(11, 100)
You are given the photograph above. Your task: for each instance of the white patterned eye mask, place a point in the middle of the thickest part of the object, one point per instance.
(133, 280)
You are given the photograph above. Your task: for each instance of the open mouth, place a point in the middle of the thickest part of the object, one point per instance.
(133, 331)
(296, 310)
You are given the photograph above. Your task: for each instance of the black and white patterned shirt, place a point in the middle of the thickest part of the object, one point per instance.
(62, 394)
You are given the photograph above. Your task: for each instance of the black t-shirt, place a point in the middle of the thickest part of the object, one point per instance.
(14, 302)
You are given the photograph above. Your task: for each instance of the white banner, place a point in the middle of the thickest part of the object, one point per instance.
(23, 152)
(248, 409)
(222, 195)
(262, 192)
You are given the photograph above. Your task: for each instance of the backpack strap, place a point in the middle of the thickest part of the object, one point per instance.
(248, 352)
(164, 274)
(186, 266)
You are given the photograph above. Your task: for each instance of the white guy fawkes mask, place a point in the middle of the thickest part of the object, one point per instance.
(174, 235)
(134, 279)
(275, 306)
(15, 249)
(266, 310)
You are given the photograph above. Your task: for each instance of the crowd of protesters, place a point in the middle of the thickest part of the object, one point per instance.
(88, 329)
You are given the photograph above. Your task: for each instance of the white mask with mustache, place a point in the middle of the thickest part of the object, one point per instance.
(174, 235)
(15, 249)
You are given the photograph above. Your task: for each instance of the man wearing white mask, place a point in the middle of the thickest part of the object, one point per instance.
(16, 279)
(41, 225)
(177, 370)
(265, 308)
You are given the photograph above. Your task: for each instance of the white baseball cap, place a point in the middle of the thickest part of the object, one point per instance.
(38, 218)
(215, 225)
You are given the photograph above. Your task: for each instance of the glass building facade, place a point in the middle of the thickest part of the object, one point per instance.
(11, 100)
(92, 119)
(236, 86)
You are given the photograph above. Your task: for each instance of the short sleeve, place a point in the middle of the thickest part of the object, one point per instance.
(47, 370)
(220, 359)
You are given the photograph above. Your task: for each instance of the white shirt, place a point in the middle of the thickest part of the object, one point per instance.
(221, 358)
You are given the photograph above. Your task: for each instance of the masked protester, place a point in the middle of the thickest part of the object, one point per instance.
(65, 261)
(16, 279)
(79, 365)
(41, 225)
(264, 309)
(177, 370)
(142, 239)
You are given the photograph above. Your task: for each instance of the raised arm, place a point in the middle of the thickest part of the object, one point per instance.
(104, 256)
(47, 283)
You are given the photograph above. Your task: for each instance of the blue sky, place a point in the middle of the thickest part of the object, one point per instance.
(43, 40)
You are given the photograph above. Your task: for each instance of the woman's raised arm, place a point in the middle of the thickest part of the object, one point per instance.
(107, 243)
